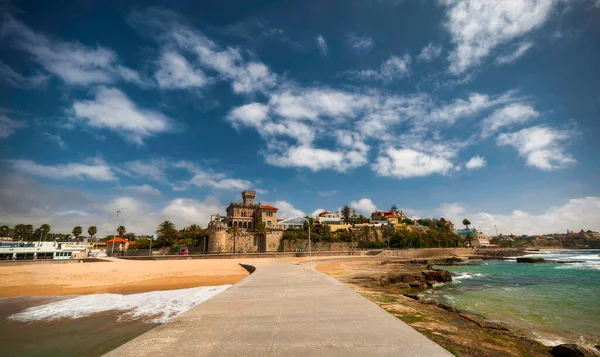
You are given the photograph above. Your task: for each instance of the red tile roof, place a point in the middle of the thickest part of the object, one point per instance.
(117, 240)
(323, 213)
(270, 208)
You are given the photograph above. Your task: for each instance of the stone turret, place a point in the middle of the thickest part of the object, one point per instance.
(248, 197)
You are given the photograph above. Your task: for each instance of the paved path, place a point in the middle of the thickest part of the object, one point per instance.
(284, 310)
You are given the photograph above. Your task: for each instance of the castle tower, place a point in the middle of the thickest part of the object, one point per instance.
(248, 197)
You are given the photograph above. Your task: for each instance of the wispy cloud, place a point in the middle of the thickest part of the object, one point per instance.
(8, 126)
(21, 81)
(72, 62)
(322, 46)
(112, 109)
(361, 44)
(543, 147)
(478, 27)
(175, 72)
(430, 52)
(55, 138)
(518, 52)
(94, 170)
(393, 68)
(509, 115)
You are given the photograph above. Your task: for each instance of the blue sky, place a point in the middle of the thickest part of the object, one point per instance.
(481, 109)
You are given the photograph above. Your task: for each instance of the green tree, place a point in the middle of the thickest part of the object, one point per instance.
(92, 231)
(4, 231)
(121, 231)
(167, 233)
(365, 232)
(45, 228)
(77, 231)
(354, 216)
(261, 231)
(234, 231)
(394, 208)
(467, 223)
(346, 214)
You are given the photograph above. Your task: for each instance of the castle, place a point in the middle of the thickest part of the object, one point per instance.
(245, 215)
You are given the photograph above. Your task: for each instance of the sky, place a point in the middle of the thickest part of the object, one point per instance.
(487, 110)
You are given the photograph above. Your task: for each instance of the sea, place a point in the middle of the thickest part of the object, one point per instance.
(556, 302)
(89, 325)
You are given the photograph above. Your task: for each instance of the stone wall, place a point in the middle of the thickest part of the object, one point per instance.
(219, 241)
(293, 245)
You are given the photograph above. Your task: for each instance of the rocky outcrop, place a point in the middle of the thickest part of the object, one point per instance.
(424, 280)
(531, 260)
(573, 350)
(499, 252)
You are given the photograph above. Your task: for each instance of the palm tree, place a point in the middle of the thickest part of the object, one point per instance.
(45, 228)
(346, 214)
(167, 233)
(466, 222)
(261, 230)
(354, 216)
(234, 231)
(77, 231)
(394, 208)
(366, 231)
(121, 230)
(92, 230)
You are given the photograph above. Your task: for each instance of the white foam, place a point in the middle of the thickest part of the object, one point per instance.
(466, 276)
(154, 306)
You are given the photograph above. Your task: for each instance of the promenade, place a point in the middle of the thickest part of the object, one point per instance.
(283, 309)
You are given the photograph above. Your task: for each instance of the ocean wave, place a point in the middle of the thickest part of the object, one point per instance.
(154, 306)
(580, 266)
(463, 276)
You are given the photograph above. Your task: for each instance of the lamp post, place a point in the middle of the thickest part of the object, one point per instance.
(309, 246)
(112, 252)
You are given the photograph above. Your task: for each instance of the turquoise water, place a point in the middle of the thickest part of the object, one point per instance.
(558, 303)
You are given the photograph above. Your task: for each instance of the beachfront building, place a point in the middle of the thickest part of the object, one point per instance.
(245, 215)
(477, 239)
(293, 223)
(333, 220)
(391, 217)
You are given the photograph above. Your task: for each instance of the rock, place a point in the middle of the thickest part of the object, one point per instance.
(402, 286)
(415, 284)
(384, 281)
(418, 277)
(531, 260)
(441, 276)
(413, 296)
(429, 301)
(429, 283)
(446, 307)
(407, 278)
(394, 279)
(572, 350)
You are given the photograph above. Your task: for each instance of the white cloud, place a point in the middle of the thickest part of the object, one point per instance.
(476, 162)
(363, 206)
(478, 27)
(72, 62)
(18, 80)
(361, 44)
(172, 32)
(142, 189)
(287, 210)
(8, 126)
(208, 178)
(175, 72)
(113, 110)
(519, 51)
(252, 115)
(393, 68)
(316, 212)
(317, 159)
(406, 163)
(55, 138)
(515, 113)
(95, 170)
(185, 211)
(430, 52)
(575, 214)
(322, 46)
(543, 147)
(460, 108)
(153, 169)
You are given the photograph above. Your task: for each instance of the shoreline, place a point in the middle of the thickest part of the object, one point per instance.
(461, 332)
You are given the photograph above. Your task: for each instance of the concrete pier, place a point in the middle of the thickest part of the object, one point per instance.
(284, 310)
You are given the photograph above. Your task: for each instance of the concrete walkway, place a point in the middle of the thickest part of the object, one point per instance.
(284, 310)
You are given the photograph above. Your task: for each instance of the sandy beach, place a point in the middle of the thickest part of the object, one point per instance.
(118, 276)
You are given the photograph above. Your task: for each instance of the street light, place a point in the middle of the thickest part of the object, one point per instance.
(112, 252)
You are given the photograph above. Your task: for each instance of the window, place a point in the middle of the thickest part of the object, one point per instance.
(268, 223)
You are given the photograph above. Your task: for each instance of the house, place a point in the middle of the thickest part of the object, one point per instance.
(119, 244)
(477, 239)
(392, 217)
(333, 220)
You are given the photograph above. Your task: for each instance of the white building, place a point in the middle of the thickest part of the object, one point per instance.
(294, 222)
